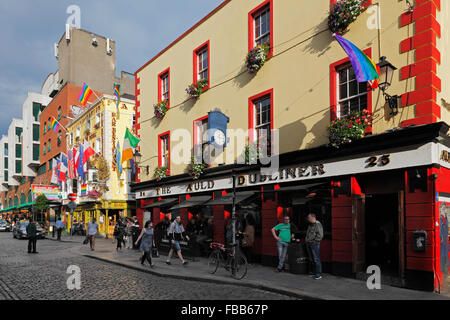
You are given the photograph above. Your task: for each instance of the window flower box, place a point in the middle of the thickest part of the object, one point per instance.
(196, 89)
(160, 109)
(343, 13)
(343, 131)
(256, 58)
(195, 170)
(160, 173)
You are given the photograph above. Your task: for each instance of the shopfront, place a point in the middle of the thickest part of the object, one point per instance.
(382, 201)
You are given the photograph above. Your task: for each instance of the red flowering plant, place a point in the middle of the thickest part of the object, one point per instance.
(343, 13)
(256, 58)
(196, 169)
(160, 109)
(160, 173)
(196, 89)
(344, 130)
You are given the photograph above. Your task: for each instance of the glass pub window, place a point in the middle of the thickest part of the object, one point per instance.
(262, 27)
(263, 118)
(165, 87)
(352, 96)
(202, 56)
(165, 151)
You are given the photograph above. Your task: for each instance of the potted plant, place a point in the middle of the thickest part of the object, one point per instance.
(197, 88)
(160, 173)
(343, 13)
(195, 170)
(160, 109)
(256, 58)
(344, 130)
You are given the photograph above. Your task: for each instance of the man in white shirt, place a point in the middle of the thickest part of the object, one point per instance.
(92, 231)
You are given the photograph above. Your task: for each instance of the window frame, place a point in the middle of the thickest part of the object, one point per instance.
(205, 46)
(195, 137)
(160, 155)
(160, 86)
(334, 84)
(268, 4)
(251, 113)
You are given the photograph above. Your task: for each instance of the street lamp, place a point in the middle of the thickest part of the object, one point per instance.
(386, 76)
(138, 159)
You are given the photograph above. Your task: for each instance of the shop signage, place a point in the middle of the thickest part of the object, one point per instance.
(387, 160)
(51, 192)
(444, 156)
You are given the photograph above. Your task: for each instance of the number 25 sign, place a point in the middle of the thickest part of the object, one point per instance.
(380, 161)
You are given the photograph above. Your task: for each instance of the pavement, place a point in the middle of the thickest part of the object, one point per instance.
(258, 277)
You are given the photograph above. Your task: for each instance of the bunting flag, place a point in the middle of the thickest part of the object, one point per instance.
(85, 93)
(83, 192)
(54, 179)
(117, 94)
(58, 167)
(117, 157)
(88, 151)
(130, 142)
(365, 69)
(54, 124)
(80, 164)
(62, 167)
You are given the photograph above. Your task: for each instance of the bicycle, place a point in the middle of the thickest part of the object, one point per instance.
(223, 256)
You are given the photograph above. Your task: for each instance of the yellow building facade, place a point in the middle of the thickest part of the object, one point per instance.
(102, 125)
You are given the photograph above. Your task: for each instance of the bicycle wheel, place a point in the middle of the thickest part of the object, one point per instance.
(213, 262)
(238, 266)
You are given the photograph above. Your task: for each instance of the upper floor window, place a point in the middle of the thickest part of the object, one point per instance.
(78, 132)
(45, 148)
(97, 119)
(201, 62)
(352, 96)
(59, 113)
(261, 115)
(200, 136)
(261, 26)
(5, 149)
(98, 145)
(49, 124)
(164, 150)
(45, 127)
(164, 86)
(59, 138)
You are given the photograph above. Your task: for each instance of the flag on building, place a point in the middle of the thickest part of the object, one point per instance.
(85, 94)
(75, 161)
(70, 166)
(130, 142)
(63, 164)
(117, 158)
(54, 179)
(88, 151)
(54, 124)
(83, 192)
(365, 69)
(117, 94)
(80, 164)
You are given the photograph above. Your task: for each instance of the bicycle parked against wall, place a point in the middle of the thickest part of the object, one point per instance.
(223, 256)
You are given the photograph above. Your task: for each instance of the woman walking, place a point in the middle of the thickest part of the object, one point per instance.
(146, 243)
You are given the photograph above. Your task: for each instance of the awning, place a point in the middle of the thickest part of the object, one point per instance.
(228, 198)
(18, 207)
(161, 203)
(192, 202)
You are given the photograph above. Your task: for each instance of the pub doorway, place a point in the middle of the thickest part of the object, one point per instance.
(382, 233)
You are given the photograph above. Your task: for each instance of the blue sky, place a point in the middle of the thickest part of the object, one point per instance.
(29, 28)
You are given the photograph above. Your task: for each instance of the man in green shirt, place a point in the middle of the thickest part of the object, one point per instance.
(283, 240)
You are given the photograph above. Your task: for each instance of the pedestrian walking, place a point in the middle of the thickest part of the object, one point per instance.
(32, 236)
(176, 234)
(283, 239)
(129, 234)
(119, 233)
(147, 243)
(92, 231)
(314, 234)
(59, 227)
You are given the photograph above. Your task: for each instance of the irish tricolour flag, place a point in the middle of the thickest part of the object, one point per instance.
(130, 142)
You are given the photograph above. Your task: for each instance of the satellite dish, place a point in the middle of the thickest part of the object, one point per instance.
(76, 110)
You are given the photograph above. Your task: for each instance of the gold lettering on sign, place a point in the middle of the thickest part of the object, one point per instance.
(445, 156)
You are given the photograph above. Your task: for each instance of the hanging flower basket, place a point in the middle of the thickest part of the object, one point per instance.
(195, 170)
(343, 13)
(350, 128)
(256, 58)
(160, 109)
(196, 89)
(160, 173)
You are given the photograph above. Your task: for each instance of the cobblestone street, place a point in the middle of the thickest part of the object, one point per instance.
(43, 276)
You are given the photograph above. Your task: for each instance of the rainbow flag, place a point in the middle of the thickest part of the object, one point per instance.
(117, 94)
(83, 190)
(365, 69)
(85, 93)
(54, 124)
